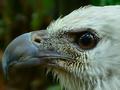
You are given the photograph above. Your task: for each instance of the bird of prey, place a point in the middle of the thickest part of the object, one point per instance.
(82, 49)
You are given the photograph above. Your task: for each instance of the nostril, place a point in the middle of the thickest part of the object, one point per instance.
(36, 39)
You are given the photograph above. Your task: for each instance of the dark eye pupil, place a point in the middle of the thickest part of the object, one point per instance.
(87, 40)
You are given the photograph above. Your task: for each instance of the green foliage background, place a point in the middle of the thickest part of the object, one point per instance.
(20, 16)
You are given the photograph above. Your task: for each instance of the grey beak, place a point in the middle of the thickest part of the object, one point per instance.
(20, 46)
(22, 52)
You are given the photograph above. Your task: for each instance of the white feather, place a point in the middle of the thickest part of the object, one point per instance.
(104, 73)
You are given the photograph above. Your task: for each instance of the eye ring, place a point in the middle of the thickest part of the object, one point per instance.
(87, 40)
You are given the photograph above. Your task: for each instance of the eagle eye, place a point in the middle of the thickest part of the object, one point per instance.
(87, 40)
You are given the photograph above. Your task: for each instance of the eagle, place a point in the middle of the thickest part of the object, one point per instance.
(82, 49)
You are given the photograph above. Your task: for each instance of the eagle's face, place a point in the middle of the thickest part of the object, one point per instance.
(81, 49)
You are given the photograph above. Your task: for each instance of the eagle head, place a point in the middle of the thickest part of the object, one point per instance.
(82, 49)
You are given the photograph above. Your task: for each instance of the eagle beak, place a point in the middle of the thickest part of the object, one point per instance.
(26, 51)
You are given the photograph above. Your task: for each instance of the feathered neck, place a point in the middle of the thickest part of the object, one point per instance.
(70, 82)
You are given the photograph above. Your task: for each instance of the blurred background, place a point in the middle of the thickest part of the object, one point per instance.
(20, 16)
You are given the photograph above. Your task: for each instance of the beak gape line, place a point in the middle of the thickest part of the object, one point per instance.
(26, 54)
